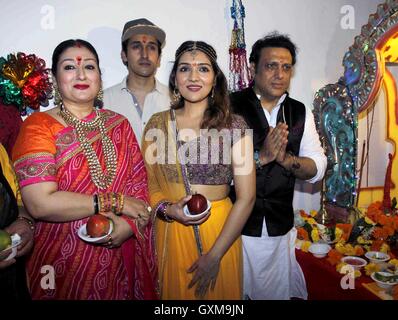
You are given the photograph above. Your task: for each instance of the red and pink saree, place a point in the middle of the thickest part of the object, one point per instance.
(47, 151)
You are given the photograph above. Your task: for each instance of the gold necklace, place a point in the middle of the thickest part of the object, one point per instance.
(100, 179)
(187, 183)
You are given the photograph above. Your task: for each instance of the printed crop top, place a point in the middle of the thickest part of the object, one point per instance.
(208, 158)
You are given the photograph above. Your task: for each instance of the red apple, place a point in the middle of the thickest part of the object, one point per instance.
(197, 204)
(98, 226)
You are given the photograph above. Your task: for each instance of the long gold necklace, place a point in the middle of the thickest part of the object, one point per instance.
(100, 179)
(185, 177)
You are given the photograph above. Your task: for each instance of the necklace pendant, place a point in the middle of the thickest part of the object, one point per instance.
(82, 128)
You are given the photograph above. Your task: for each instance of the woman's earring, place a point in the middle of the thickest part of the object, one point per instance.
(211, 98)
(100, 94)
(99, 100)
(56, 94)
(176, 96)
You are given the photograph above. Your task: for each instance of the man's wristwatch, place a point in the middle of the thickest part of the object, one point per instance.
(257, 159)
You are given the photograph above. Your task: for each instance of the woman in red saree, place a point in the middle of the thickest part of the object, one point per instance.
(59, 157)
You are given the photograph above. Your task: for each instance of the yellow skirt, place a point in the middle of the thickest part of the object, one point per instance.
(177, 251)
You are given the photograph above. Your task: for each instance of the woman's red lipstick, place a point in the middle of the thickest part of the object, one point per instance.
(81, 86)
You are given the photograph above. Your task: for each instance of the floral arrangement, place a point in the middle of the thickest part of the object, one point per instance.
(309, 230)
(24, 81)
(375, 230)
(379, 224)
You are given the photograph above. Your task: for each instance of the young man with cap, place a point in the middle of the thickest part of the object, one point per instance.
(140, 94)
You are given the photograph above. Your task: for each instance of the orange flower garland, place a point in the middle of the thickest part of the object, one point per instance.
(373, 231)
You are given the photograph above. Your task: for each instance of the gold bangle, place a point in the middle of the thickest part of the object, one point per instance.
(121, 203)
(101, 202)
(113, 202)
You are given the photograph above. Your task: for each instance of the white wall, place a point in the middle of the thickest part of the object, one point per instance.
(314, 26)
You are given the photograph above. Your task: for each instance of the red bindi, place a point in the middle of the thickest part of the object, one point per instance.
(144, 39)
(79, 60)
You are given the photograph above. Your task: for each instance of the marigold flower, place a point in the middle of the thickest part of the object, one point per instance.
(367, 247)
(303, 213)
(389, 231)
(372, 267)
(394, 262)
(340, 247)
(378, 204)
(334, 257)
(315, 235)
(375, 206)
(337, 234)
(374, 213)
(361, 240)
(305, 246)
(349, 250)
(313, 213)
(385, 248)
(340, 266)
(387, 221)
(302, 234)
(359, 250)
(345, 228)
(298, 243)
(379, 233)
(311, 221)
(369, 221)
(376, 245)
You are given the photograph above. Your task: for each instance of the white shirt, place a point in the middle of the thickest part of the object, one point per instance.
(310, 145)
(121, 100)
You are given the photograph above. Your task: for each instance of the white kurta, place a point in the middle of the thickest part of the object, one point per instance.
(271, 270)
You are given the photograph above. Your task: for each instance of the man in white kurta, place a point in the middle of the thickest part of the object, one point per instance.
(139, 95)
(277, 257)
(287, 147)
